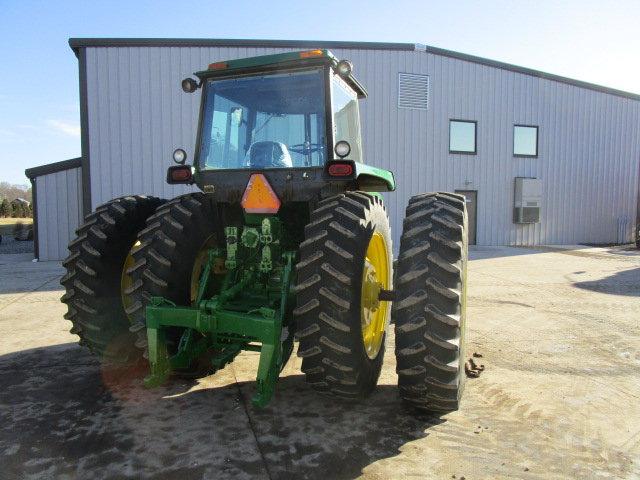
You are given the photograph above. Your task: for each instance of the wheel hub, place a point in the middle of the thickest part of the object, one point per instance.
(370, 289)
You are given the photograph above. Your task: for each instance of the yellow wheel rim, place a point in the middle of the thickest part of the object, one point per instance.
(125, 279)
(376, 275)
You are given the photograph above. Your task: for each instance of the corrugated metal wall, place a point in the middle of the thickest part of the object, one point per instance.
(59, 212)
(589, 142)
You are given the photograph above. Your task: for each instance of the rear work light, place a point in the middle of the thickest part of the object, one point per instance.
(179, 174)
(339, 169)
(259, 197)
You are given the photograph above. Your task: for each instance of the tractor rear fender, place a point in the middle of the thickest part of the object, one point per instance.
(374, 179)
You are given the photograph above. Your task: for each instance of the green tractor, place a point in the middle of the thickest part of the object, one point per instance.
(288, 238)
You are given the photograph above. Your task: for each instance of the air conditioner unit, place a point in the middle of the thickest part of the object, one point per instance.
(527, 199)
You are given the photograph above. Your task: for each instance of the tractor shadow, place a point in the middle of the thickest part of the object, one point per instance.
(625, 283)
(304, 435)
(62, 415)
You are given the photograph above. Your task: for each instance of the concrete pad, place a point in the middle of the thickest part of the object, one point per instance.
(557, 330)
(19, 275)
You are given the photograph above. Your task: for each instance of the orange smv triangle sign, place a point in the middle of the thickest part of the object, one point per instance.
(259, 197)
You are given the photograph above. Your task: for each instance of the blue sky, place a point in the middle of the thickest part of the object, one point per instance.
(596, 41)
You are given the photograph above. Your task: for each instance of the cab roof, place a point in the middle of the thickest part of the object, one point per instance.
(276, 61)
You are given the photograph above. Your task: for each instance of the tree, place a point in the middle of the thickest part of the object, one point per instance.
(11, 191)
(22, 210)
(5, 208)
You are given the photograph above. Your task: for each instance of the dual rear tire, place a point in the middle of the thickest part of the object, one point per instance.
(136, 247)
(128, 250)
(429, 304)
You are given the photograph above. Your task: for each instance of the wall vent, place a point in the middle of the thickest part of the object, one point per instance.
(413, 91)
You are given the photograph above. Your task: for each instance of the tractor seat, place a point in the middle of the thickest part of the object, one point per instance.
(268, 155)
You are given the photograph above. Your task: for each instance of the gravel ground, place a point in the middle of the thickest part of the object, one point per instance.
(556, 328)
(9, 245)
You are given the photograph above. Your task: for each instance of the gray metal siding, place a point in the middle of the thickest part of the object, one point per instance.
(589, 141)
(59, 211)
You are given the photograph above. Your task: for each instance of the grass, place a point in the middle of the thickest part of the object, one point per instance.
(7, 224)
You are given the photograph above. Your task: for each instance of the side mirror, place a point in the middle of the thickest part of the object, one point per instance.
(180, 174)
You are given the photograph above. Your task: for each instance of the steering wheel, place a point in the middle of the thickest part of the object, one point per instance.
(305, 148)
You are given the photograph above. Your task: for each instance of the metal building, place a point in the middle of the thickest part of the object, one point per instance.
(57, 206)
(441, 120)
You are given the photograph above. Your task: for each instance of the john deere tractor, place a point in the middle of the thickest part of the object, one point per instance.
(288, 238)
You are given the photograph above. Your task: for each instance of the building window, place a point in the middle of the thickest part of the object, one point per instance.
(462, 136)
(525, 141)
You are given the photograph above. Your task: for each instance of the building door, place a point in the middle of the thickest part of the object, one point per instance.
(471, 197)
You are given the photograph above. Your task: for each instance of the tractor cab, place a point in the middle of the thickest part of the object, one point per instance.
(294, 116)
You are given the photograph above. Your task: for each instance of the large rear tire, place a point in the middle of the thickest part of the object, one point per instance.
(166, 265)
(340, 323)
(93, 279)
(430, 300)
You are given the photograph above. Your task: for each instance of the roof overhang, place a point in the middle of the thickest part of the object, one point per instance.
(77, 43)
(55, 167)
